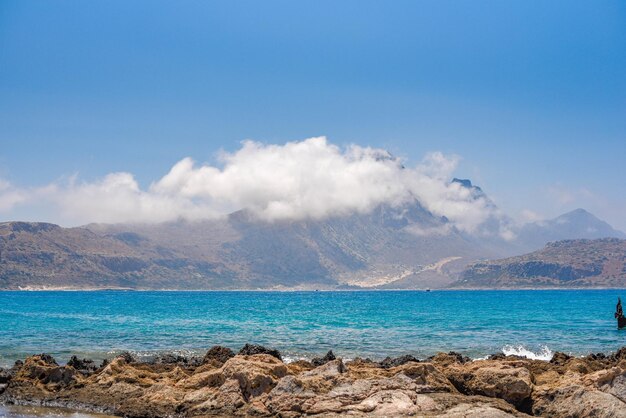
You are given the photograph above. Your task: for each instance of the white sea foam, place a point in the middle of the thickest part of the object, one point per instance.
(289, 359)
(544, 352)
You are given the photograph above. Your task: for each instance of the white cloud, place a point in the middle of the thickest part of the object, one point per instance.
(118, 198)
(527, 215)
(298, 180)
(10, 196)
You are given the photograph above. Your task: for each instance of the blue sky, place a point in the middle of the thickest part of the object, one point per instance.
(531, 95)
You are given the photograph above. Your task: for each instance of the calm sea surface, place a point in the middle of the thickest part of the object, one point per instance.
(304, 324)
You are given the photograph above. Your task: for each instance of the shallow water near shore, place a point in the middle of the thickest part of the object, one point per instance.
(10, 411)
(373, 324)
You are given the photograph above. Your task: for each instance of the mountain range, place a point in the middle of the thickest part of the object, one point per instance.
(401, 247)
(567, 263)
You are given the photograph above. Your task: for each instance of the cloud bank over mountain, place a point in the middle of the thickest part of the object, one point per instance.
(308, 179)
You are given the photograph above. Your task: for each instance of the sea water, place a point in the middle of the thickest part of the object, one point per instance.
(11, 411)
(374, 324)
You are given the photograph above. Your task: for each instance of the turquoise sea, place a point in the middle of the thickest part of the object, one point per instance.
(304, 324)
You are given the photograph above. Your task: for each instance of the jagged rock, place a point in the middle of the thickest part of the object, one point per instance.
(218, 355)
(299, 366)
(597, 356)
(332, 368)
(426, 376)
(5, 376)
(389, 362)
(83, 366)
(128, 358)
(317, 361)
(61, 375)
(290, 394)
(251, 349)
(211, 378)
(256, 373)
(618, 355)
(449, 358)
(48, 359)
(560, 358)
(175, 359)
(225, 401)
(261, 385)
(577, 401)
(506, 380)
(44, 369)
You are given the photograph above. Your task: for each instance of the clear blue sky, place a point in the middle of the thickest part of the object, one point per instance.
(531, 94)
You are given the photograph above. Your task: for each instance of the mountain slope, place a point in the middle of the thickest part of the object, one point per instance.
(404, 247)
(386, 246)
(569, 263)
(577, 224)
(42, 255)
(358, 250)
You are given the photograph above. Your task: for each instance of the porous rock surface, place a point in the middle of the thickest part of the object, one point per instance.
(262, 385)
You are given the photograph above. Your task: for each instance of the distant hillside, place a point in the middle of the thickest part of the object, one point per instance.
(401, 248)
(404, 247)
(568, 263)
(41, 255)
(577, 224)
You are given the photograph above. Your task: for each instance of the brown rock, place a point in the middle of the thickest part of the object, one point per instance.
(427, 377)
(218, 355)
(317, 361)
(256, 374)
(398, 361)
(506, 380)
(251, 349)
(44, 369)
(261, 385)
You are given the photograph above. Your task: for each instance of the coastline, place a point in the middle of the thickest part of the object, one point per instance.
(25, 411)
(289, 290)
(256, 381)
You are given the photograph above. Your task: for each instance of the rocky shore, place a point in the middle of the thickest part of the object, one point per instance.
(256, 382)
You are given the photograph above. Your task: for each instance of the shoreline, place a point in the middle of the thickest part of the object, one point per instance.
(447, 289)
(544, 353)
(257, 381)
(36, 411)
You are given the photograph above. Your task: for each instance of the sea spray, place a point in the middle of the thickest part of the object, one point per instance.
(544, 352)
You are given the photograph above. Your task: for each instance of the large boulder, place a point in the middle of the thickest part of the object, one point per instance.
(251, 349)
(318, 361)
(256, 374)
(210, 378)
(576, 401)
(83, 366)
(218, 355)
(225, 401)
(389, 362)
(426, 377)
(6, 376)
(447, 359)
(506, 380)
(44, 369)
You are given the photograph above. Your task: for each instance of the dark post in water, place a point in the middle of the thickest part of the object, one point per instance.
(619, 314)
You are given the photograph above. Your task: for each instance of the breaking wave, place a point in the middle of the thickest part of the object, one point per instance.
(544, 352)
